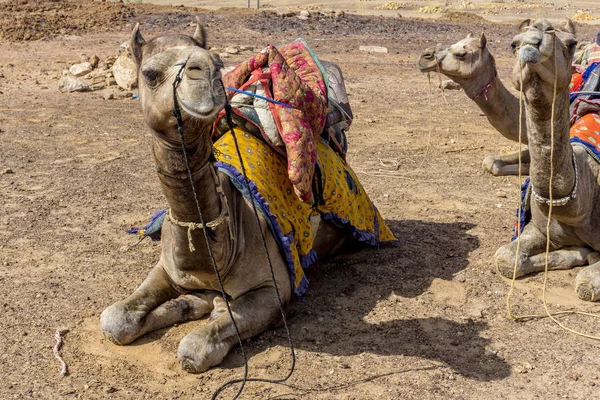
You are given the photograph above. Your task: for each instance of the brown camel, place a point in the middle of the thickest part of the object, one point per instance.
(183, 286)
(470, 64)
(574, 238)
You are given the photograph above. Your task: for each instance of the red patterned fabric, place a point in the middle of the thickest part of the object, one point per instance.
(292, 76)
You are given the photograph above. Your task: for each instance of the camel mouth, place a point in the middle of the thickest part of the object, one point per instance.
(424, 65)
(196, 111)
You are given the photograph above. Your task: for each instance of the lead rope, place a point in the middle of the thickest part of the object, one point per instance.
(548, 314)
(177, 115)
(228, 115)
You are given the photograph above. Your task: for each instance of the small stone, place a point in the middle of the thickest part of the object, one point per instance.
(71, 84)
(224, 55)
(98, 86)
(83, 58)
(489, 352)
(94, 61)
(108, 96)
(111, 390)
(81, 69)
(303, 18)
(373, 49)
(231, 50)
(124, 69)
(450, 85)
(339, 14)
(304, 13)
(110, 81)
(7, 171)
(501, 195)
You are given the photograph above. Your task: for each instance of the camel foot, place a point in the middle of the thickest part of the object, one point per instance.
(505, 263)
(199, 351)
(587, 283)
(120, 326)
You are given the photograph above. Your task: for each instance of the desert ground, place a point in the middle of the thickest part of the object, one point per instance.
(423, 318)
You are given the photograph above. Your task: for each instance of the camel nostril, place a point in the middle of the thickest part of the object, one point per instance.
(194, 72)
(428, 56)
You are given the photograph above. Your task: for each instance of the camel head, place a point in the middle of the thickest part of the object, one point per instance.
(537, 47)
(465, 59)
(200, 93)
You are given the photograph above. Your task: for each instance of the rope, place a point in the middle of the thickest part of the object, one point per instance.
(177, 115)
(59, 335)
(548, 314)
(228, 113)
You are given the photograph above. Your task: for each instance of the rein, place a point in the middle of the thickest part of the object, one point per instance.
(224, 216)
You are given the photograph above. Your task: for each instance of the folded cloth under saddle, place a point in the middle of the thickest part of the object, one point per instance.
(289, 98)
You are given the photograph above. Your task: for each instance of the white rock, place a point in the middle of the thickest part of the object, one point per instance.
(304, 13)
(71, 84)
(231, 50)
(81, 69)
(373, 49)
(124, 69)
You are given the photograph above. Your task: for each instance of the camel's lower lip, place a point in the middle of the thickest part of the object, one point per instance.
(429, 68)
(196, 113)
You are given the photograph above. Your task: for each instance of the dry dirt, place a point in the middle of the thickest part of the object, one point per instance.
(420, 319)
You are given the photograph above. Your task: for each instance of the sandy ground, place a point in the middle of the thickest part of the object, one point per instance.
(420, 319)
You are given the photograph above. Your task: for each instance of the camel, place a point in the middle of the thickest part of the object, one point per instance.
(183, 286)
(470, 64)
(574, 239)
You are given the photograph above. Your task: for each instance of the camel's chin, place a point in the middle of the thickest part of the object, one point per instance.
(530, 55)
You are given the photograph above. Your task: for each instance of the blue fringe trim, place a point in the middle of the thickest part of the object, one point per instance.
(362, 236)
(285, 242)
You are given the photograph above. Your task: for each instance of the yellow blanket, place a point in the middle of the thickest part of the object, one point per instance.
(345, 202)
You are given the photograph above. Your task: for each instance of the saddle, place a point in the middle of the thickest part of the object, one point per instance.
(289, 99)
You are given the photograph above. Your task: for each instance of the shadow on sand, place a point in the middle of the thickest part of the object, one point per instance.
(346, 289)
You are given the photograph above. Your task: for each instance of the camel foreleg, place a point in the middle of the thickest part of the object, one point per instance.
(254, 312)
(532, 256)
(507, 164)
(155, 304)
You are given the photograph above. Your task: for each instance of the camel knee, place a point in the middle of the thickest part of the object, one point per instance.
(201, 350)
(587, 283)
(120, 325)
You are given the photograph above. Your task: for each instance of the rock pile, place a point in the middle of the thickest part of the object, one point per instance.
(91, 74)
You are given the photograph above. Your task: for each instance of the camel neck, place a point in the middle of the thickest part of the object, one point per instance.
(539, 125)
(175, 182)
(497, 103)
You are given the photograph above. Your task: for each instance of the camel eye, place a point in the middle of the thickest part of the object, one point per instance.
(150, 75)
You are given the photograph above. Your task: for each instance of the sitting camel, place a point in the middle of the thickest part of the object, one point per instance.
(470, 64)
(183, 286)
(545, 54)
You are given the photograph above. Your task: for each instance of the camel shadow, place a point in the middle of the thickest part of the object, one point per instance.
(345, 291)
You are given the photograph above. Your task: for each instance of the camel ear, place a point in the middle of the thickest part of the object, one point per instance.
(570, 26)
(136, 44)
(469, 35)
(524, 24)
(482, 41)
(200, 34)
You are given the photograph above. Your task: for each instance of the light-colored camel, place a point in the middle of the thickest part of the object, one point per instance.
(183, 286)
(470, 64)
(575, 223)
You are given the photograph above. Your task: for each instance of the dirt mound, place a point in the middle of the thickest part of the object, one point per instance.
(459, 16)
(45, 19)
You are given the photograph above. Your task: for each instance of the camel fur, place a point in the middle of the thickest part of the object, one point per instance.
(182, 286)
(574, 225)
(470, 64)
